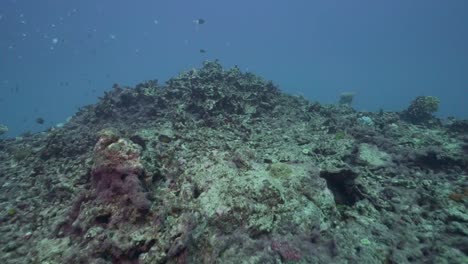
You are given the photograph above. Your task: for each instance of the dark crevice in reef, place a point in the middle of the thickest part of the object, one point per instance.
(341, 184)
(103, 219)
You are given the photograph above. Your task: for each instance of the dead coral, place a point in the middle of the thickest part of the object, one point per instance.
(116, 170)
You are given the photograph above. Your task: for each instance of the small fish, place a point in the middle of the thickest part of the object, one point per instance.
(16, 89)
(40, 120)
(202, 51)
(199, 21)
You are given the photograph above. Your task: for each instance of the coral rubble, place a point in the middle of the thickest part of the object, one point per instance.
(219, 166)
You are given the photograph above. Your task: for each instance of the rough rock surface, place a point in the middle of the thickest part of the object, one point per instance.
(219, 166)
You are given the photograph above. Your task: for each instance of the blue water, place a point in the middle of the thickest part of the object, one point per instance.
(56, 55)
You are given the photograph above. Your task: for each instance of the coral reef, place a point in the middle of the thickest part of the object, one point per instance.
(219, 166)
(3, 129)
(116, 170)
(346, 99)
(421, 109)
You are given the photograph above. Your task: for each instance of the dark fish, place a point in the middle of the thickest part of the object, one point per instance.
(15, 89)
(40, 120)
(202, 51)
(199, 21)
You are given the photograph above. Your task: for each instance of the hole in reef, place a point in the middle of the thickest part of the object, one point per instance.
(196, 192)
(103, 219)
(341, 184)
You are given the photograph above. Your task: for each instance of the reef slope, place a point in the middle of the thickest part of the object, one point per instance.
(219, 166)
